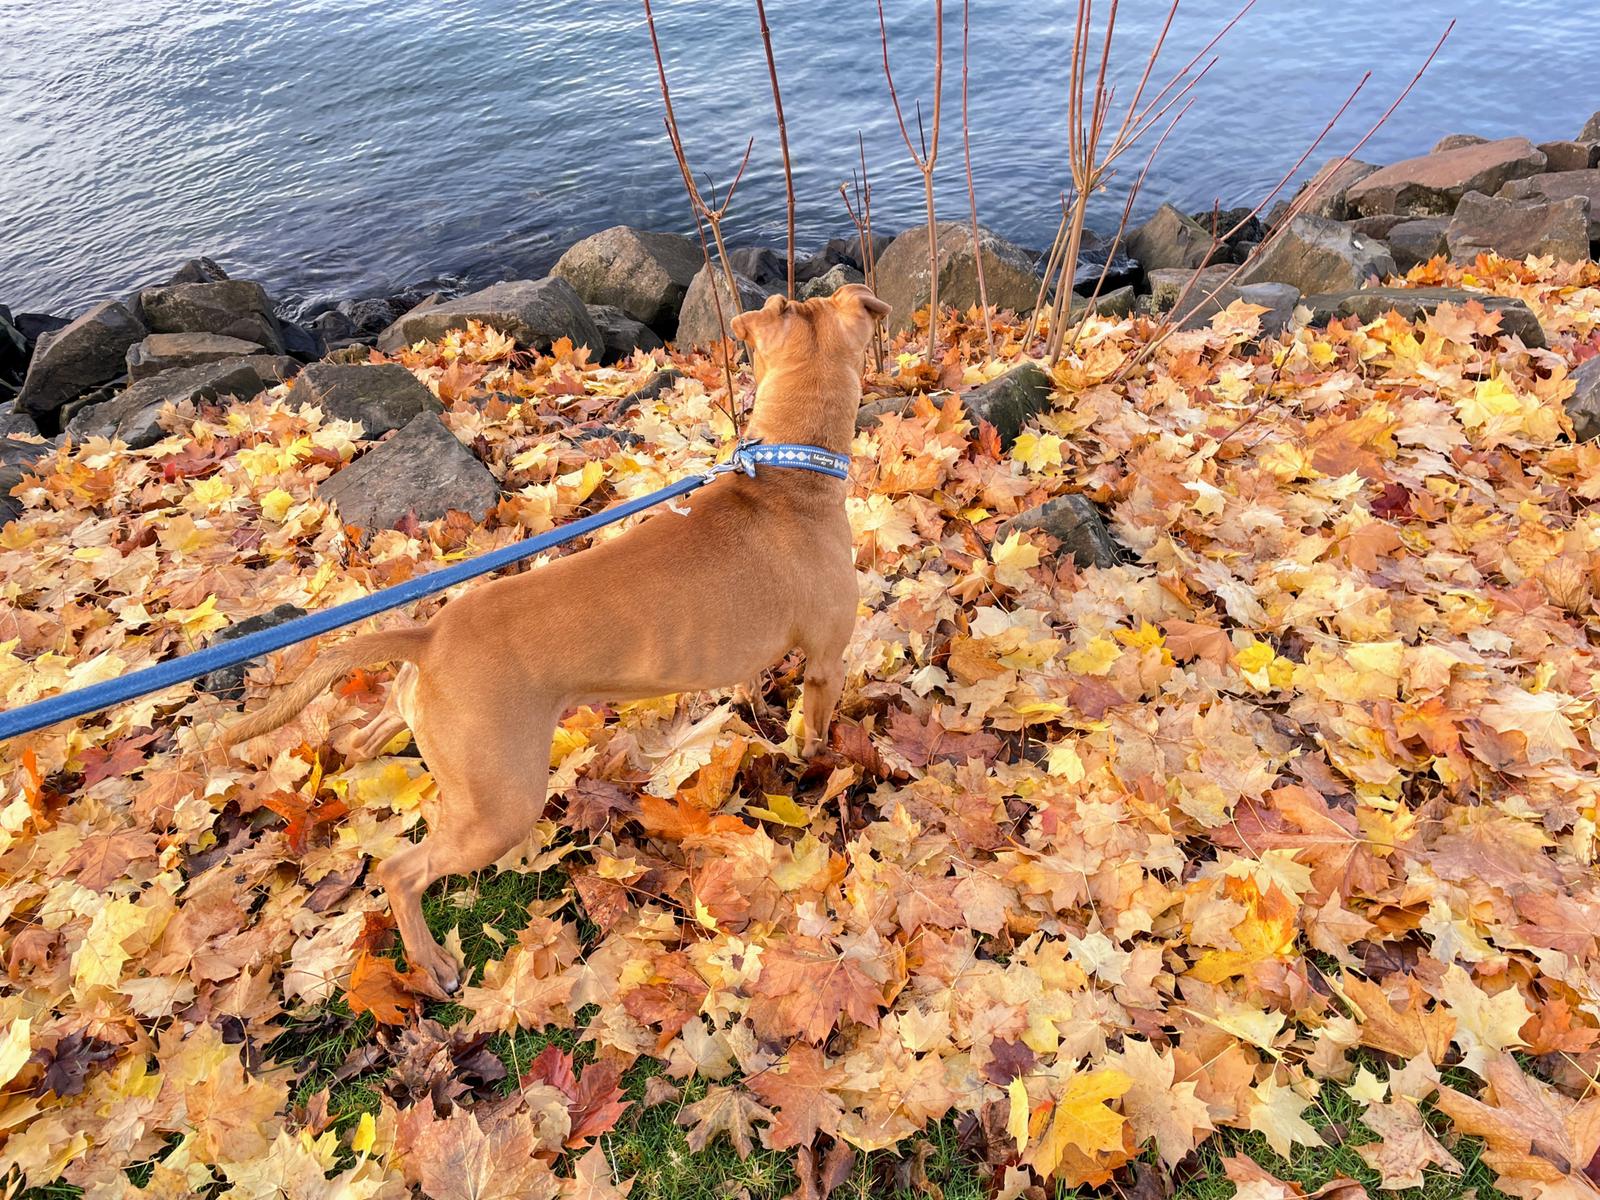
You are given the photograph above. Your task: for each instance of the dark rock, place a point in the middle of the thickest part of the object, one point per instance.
(369, 317)
(301, 341)
(1560, 185)
(17, 457)
(1076, 525)
(1583, 406)
(232, 307)
(334, 326)
(17, 422)
(1378, 227)
(380, 396)
(1010, 401)
(642, 273)
(839, 252)
(34, 326)
(659, 382)
(1433, 184)
(1319, 255)
(535, 312)
(132, 416)
(1368, 305)
(1591, 129)
(1192, 297)
(1122, 271)
(81, 355)
(830, 281)
(1560, 157)
(870, 413)
(227, 683)
(13, 353)
(1170, 240)
(1009, 272)
(1279, 299)
(199, 270)
(423, 470)
(766, 267)
(1418, 240)
(1454, 141)
(165, 351)
(697, 320)
(1519, 228)
(623, 335)
(1332, 184)
(1237, 227)
(1118, 302)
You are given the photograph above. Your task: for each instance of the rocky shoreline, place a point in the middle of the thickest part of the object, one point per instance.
(201, 335)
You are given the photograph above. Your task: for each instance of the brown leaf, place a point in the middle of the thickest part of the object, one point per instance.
(727, 1110)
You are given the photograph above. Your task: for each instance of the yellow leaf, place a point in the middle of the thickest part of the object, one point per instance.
(1017, 1121)
(14, 1048)
(1065, 762)
(366, 1133)
(1013, 558)
(781, 809)
(1096, 658)
(275, 504)
(1081, 1121)
(1037, 451)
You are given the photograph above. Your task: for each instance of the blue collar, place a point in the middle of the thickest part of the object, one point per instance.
(749, 455)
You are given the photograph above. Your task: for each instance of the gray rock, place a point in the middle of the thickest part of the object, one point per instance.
(335, 326)
(1239, 229)
(1583, 406)
(1432, 185)
(1117, 302)
(642, 273)
(34, 326)
(199, 270)
(697, 320)
(371, 316)
(422, 470)
(1516, 318)
(1010, 401)
(830, 281)
(227, 683)
(1170, 240)
(17, 422)
(17, 457)
(1279, 299)
(1332, 184)
(659, 382)
(1120, 271)
(904, 281)
(1519, 228)
(622, 334)
(301, 341)
(380, 396)
(132, 416)
(1591, 129)
(1454, 141)
(840, 251)
(89, 351)
(1560, 185)
(232, 307)
(766, 267)
(164, 351)
(1378, 227)
(1319, 255)
(13, 354)
(1193, 297)
(870, 413)
(535, 312)
(1417, 241)
(1570, 156)
(1076, 525)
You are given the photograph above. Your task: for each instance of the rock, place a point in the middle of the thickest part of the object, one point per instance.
(380, 396)
(766, 267)
(872, 411)
(1433, 184)
(1591, 129)
(903, 280)
(1583, 406)
(838, 252)
(1238, 227)
(1075, 524)
(17, 422)
(17, 457)
(622, 334)
(1570, 156)
(300, 341)
(334, 326)
(198, 270)
(33, 326)
(1170, 240)
(1332, 182)
(132, 416)
(642, 273)
(1119, 302)
(422, 470)
(1417, 241)
(82, 355)
(1192, 297)
(232, 307)
(830, 281)
(164, 351)
(659, 382)
(1378, 227)
(371, 316)
(536, 312)
(1368, 305)
(697, 320)
(1279, 299)
(1454, 141)
(1560, 185)
(1092, 263)
(1319, 255)
(13, 353)
(227, 683)
(1010, 401)
(1519, 228)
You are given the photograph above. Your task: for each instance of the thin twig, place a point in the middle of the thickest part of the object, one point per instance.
(783, 136)
(972, 195)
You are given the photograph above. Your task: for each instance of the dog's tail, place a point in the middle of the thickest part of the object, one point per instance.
(284, 703)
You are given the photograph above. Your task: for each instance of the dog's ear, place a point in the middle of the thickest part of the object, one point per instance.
(858, 293)
(747, 324)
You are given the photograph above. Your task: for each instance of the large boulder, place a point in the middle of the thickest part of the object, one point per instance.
(17, 457)
(1519, 228)
(642, 273)
(1170, 240)
(766, 267)
(1560, 185)
(1433, 184)
(423, 471)
(1369, 304)
(1560, 157)
(840, 251)
(904, 280)
(622, 334)
(199, 270)
(232, 307)
(84, 354)
(1077, 527)
(697, 321)
(1418, 240)
(1182, 292)
(1332, 183)
(535, 312)
(1010, 401)
(131, 417)
(379, 396)
(1591, 129)
(1583, 406)
(830, 281)
(1319, 255)
(164, 351)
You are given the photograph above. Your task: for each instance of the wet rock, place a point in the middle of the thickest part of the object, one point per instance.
(1369, 304)
(1319, 255)
(1433, 184)
(301, 341)
(1077, 527)
(535, 312)
(232, 307)
(1332, 183)
(1170, 240)
(335, 327)
(643, 274)
(17, 457)
(697, 321)
(132, 416)
(904, 280)
(1279, 299)
(1010, 401)
(380, 396)
(767, 267)
(165, 351)
(422, 470)
(227, 683)
(1570, 156)
(33, 326)
(622, 334)
(1417, 241)
(830, 281)
(371, 316)
(89, 351)
(1519, 228)
(1560, 185)
(1583, 406)
(198, 270)
(1454, 141)
(1118, 269)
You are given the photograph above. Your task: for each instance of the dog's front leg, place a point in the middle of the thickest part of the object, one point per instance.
(819, 697)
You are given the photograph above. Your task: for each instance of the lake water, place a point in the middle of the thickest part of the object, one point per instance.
(335, 148)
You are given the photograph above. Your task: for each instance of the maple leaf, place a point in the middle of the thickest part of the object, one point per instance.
(377, 986)
(1406, 1033)
(458, 1159)
(103, 858)
(1156, 1107)
(594, 1102)
(1081, 1128)
(803, 1092)
(806, 986)
(592, 1180)
(1405, 1146)
(729, 1110)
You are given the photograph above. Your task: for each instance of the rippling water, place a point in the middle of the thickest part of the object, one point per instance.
(335, 148)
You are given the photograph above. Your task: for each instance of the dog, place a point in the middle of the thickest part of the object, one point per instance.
(681, 602)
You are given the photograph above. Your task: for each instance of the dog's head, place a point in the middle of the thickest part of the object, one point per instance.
(830, 329)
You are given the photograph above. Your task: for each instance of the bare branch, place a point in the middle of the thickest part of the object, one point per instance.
(783, 136)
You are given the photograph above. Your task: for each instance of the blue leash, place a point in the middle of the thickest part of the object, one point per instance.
(66, 705)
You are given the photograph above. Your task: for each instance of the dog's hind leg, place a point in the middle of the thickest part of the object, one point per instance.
(824, 682)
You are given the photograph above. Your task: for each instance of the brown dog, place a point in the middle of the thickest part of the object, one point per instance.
(678, 603)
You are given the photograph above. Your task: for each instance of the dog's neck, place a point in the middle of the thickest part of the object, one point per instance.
(806, 406)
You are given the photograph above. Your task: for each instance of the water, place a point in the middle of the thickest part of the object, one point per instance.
(337, 148)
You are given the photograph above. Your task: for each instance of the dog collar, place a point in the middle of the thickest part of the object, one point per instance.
(749, 455)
